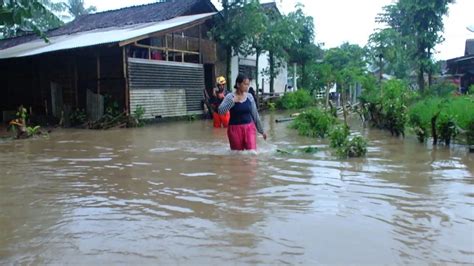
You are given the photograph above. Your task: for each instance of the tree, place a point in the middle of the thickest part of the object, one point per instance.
(421, 21)
(234, 27)
(76, 8)
(348, 65)
(303, 50)
(253, 44)
(278, 40)
(19, 17)
(389, 51)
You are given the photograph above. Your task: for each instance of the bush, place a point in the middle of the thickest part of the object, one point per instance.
(470, 133)
(356, 147)
(295, 100)
(339, 136)
(387, 107)
(313, 123)
(78, 117)
(442, 89)
(138, 115)
(442, 117)
(447, 128)
(420, 116)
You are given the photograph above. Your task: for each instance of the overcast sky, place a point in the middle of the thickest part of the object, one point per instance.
(337, 21)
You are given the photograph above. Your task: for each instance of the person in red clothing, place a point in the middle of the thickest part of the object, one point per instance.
(218, 94)
(244, 119)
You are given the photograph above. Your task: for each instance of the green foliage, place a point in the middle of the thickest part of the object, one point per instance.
(296, 100)
(22, 113)
(447, 116)
(32, 131)
(138, 115)
(338, 136)
(111, 106)
(442, 89)
(420, 23)
(387, 106)
(420, 115)
(78, 117)
(388, 52)
(470, 133)
(313, 123)
(447, 128)
(356, 147)
(19, 17)
(272, 106)
(76, 8)
(309, 150)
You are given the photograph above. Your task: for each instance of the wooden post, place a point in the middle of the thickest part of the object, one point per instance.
(98, 81)
(172, 44)
(166, 46)
(200, 45)
(76, 89)
(125, 77)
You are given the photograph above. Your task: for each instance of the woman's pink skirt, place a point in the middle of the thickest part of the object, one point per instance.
(242, 137)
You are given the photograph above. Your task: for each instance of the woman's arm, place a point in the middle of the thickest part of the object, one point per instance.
(226, 104)
(255, 116)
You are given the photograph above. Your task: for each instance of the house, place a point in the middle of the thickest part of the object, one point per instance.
(157, 56)
(464, 66)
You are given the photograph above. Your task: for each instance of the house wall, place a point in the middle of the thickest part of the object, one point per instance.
(165, 89)
(279, 82)
(28, 81)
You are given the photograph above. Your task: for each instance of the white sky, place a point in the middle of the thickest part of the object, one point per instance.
(337, 21)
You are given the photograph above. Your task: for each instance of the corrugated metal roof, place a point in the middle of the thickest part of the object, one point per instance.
(154, 12)
(99, 36)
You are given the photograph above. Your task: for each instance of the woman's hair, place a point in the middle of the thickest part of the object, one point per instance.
(240, 78)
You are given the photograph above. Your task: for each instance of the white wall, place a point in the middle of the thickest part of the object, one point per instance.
(280, 81)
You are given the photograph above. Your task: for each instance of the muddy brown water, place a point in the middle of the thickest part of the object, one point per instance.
(173, 193)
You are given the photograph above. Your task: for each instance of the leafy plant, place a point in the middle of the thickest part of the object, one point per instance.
(78, 117)
(138, 115)
(356, 147)
(272, 106)
(470, 133)
(296, 100)
(447, 128)
(31, 131)
(313, 123)
(442, 89)
(338, 136)
(111, 106)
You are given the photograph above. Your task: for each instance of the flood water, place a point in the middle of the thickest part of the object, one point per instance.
(173, 193)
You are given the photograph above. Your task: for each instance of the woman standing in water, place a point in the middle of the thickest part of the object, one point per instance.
(244, 118)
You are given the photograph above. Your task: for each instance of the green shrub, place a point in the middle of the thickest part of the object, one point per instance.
(395, 98)
(338, 136)
(444, 115)
(386, 107)
(356, 147)
(272, 106)
(78, 117)
(295, 100)
(138, 115)
(447, 128)
(313, 123)
(470, 133)
(442, 89)
(420, 115)
(31, 131)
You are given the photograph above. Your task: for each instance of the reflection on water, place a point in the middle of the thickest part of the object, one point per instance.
(174, 194)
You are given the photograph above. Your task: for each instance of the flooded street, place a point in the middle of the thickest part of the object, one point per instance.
(173, 193)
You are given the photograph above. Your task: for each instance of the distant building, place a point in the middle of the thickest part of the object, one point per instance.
(463, 66)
